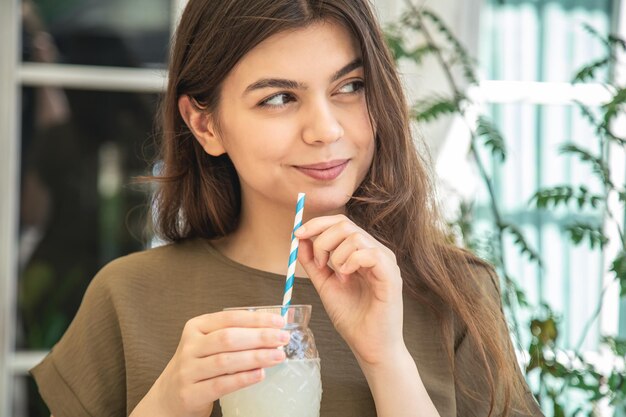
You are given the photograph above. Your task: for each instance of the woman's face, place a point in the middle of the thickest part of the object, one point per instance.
(294, 118)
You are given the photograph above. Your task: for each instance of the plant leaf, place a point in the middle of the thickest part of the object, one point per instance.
(618, 346)
(588, 114)
(600, 128)
(396, 44)
(420, 52)
(560, 194)
(610, 41)
(520, 241)
(617, 42)
(598, 165)
(433, 108)
(587, 72)
(545, 331)
(619, 268)
(615, 106)
(614, 138)
(563, 195)
(492, 136)
(579, 231)
(467, 63)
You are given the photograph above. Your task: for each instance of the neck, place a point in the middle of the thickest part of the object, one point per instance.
(263, 238)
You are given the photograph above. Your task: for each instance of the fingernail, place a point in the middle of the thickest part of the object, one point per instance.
(278, 321)
(299, 231)
(277, 355)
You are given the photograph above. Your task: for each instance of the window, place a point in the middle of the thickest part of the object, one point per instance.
(529, 52)
(86, 75)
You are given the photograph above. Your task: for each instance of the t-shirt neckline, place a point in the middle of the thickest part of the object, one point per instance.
(245, 268)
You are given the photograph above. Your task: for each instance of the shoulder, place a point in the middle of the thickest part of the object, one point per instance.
(485, 279)
(154, 258)
(145, 268)
(479, 285)
(469, 272)
(472, 276)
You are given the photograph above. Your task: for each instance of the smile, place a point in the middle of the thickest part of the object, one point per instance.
(324, 171)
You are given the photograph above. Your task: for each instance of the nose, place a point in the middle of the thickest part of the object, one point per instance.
(321, 124)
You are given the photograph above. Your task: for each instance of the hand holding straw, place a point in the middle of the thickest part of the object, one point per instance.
(293, 255)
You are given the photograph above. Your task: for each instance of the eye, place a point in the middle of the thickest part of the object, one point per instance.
(356, 87)
(282, 99)
(277, 100)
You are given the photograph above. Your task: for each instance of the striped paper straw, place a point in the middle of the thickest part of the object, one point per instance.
(293, 255)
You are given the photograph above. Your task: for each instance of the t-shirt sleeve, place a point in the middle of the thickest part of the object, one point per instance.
(472, 389)
(84, 373)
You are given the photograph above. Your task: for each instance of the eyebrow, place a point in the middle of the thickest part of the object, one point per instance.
(295, 85)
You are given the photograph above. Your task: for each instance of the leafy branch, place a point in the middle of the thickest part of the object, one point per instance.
(483, 133)
(563, 195)
(559, 370)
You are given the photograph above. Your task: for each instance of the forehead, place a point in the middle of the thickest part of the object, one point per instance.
(316, 51)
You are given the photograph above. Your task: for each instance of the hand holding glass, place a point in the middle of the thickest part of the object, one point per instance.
(290, 389)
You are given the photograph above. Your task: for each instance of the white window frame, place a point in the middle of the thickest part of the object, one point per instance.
(9, 192)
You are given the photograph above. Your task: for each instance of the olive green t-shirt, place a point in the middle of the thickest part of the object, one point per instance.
(132, 315)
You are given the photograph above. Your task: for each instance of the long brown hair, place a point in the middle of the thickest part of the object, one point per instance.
(199, 195)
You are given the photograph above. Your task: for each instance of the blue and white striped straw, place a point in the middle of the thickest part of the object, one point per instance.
(293, 255)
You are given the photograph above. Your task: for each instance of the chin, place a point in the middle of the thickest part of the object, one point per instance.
(324, 205)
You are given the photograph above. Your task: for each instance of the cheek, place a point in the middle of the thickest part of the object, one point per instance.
(275, 136)
(369, 155)
(363, 130)
(365, 139)
(255, 142)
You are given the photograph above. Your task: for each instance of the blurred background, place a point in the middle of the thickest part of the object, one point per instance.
(80, 82)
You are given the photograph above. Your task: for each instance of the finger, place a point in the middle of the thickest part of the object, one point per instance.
(200, 395)
(208, 323)
(374, 259)
(233, 339)
(331, 238)
(354, 242)
(317, 225)
(318, 275)
(229, 363)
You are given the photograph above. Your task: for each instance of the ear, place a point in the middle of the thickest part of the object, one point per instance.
(201, 125)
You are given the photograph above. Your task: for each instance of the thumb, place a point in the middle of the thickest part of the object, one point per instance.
(317, 275)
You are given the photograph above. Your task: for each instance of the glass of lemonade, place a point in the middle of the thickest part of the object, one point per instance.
(290, 389)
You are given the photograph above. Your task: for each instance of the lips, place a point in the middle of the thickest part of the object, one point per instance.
(324, 171)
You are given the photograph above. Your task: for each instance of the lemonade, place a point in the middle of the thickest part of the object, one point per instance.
(291, 389)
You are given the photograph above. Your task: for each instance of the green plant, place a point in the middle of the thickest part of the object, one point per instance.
(560, 372)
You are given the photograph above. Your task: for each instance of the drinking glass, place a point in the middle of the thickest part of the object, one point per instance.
(290, 389)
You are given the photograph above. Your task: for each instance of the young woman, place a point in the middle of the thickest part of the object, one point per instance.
(268, 98)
